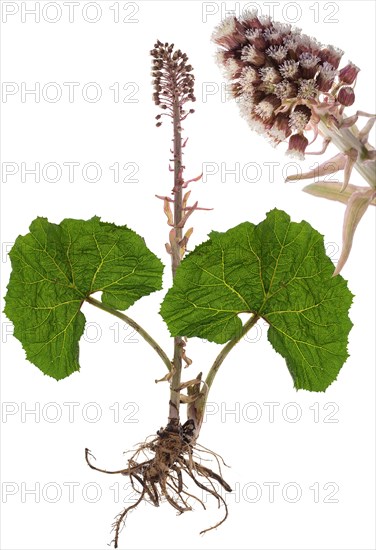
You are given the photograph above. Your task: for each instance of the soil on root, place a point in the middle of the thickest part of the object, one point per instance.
(171, 459)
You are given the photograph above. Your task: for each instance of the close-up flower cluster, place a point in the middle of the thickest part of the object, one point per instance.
(283, 80)
(287, 84)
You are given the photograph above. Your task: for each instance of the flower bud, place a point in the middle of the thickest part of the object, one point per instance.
(300, 117)
(281, 128)
(252, 55)
(278, 53)
(349, 73)
(309, 64)
(326, 77)
(266, 108)
(289, 69)
(286, 89)
(297, 146)
(332, 55)
(251, 21)
(256, 38)
(230, 33)
(346, 96)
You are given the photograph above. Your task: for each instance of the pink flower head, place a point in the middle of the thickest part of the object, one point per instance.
(282, 79)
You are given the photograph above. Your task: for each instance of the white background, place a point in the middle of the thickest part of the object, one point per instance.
(333, 441)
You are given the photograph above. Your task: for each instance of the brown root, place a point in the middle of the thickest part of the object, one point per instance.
(171, 459)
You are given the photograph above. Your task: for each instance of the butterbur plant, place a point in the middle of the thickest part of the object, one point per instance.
(290, 88)
(276, 272)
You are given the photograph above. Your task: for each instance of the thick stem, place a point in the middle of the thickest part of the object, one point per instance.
(142, 332)
(347, 138)
(201, 401)
(174, 403)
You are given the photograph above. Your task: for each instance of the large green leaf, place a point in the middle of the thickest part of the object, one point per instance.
(55, 267)
(279, 271)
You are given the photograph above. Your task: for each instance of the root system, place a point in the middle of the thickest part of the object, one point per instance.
(170, 460)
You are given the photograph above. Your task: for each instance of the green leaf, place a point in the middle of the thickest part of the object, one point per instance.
(56, 267)
(277, 270)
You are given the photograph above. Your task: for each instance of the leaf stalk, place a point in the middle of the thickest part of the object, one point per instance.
(202, 400)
